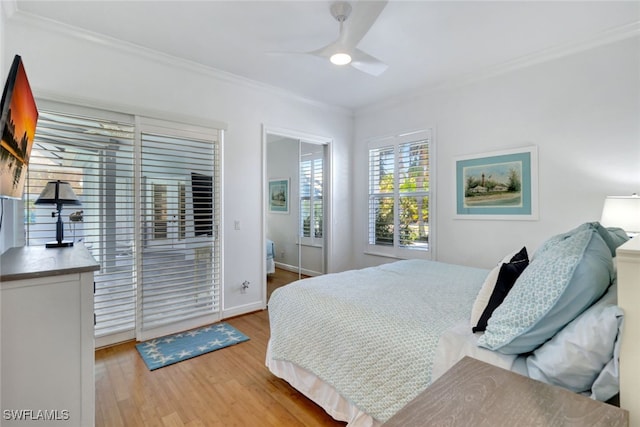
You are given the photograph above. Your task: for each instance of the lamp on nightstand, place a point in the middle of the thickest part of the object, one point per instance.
(58, 193)
(623, 212)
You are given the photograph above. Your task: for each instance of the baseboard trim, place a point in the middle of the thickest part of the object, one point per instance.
(243, 309)
(294, 269)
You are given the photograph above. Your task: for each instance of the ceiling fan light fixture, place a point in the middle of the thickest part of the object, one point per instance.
(340, 58)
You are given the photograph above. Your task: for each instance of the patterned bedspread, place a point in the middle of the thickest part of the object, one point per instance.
(372, 333)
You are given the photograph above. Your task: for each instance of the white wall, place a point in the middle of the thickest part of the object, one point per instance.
(582, 112)
(66, 65)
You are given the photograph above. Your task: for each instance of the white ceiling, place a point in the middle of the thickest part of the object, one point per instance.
(425, 43)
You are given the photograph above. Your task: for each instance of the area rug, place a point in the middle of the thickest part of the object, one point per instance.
(165, 351)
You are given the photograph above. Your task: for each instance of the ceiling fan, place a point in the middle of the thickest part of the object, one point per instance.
(344, 49)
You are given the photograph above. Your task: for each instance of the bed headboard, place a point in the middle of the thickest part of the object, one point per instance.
(628, 259)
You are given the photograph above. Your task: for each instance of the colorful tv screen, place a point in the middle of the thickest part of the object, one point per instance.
(18, 124)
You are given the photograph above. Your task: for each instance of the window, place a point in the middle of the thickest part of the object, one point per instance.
(399, 190)
(311, 206)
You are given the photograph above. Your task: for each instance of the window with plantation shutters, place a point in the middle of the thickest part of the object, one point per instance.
(150, 194)
(311, 205)
(399, 195)
(93, 151)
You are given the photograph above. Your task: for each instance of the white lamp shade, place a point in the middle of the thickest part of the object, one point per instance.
(623, 212)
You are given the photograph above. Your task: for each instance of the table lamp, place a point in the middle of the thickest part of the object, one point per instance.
(623, 212)
(58, 193)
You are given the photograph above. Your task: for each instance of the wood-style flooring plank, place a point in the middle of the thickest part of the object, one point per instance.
(280, 278)
(227, 387)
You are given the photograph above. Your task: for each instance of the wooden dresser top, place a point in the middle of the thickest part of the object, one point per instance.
(28, 262)
(474, 393)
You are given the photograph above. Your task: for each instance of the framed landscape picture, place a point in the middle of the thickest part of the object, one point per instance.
(498, 185)
(279, 195)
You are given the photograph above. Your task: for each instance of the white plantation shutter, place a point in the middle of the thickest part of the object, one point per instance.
(179, 211)
(311, 198)
(381, 195)
(93, 151)
(413, 189)
(399, 194)
(150, 194)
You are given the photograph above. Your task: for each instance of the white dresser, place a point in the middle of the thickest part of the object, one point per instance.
(47, 337)
(628, 256)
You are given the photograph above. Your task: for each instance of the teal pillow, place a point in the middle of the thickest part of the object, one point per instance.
(606, 236)
(618, 236)
(552, 241)
(567, 275)
(612, 236)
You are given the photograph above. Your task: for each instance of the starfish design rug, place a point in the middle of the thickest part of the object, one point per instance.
(164, 351)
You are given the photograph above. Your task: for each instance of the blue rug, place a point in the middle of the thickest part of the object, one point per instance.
(165, 351)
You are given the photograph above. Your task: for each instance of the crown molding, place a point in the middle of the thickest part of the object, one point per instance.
(26, 18)
(611, 35)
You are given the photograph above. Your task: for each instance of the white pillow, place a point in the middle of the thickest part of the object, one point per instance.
(577, 354)
(607, 384)
(484, 295)
(482, 300)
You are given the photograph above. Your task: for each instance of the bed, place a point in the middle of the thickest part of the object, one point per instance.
(364, 343)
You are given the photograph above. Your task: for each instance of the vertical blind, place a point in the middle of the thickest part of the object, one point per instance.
(95, 155)
(399, 182)
(180, 207)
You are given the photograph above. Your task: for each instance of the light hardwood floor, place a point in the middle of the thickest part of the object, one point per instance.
(228, 387)
(280, 278)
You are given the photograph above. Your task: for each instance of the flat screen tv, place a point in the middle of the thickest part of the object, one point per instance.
(18, 119)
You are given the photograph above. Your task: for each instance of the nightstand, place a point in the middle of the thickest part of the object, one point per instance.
(474, 393)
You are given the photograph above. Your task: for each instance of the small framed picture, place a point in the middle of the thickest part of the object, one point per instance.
(498, 185)
(279, 195)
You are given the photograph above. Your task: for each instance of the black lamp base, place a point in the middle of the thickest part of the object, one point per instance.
(63, 244)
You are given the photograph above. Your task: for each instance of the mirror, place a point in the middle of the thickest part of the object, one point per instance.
(296, 204)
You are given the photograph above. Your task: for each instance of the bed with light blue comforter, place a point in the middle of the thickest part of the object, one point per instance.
(372, 333)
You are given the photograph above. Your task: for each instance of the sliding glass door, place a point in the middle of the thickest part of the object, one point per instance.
(179, 206)
(93, 151)
(150, 213)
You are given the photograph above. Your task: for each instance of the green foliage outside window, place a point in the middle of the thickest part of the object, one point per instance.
(413, 211)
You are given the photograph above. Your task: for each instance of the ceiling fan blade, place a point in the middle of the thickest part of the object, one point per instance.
(353, 27)
(365, 13)
(327, 50)
(367, 64)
